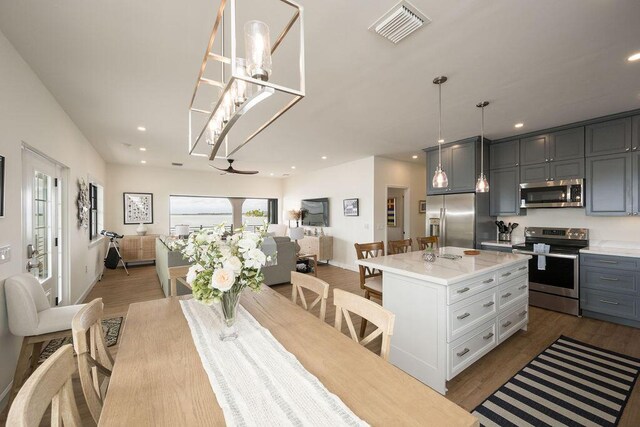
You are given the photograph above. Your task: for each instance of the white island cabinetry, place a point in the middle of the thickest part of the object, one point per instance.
(450, 313)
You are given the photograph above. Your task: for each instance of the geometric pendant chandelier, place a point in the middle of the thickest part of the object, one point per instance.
(238, 74)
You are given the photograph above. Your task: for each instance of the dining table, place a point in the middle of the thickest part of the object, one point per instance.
(158, 377)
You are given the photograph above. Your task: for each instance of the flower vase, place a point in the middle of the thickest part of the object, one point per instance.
(230, 301)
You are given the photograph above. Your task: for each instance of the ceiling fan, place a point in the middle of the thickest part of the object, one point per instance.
(230, 169)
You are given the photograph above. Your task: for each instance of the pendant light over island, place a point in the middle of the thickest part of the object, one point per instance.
(482, 185)
(440, 179)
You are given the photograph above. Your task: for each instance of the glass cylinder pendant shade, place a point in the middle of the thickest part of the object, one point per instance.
(440, 179)
(257, 46)
(482, 185)
(240, 90)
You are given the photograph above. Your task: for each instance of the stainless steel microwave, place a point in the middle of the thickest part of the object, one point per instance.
(566, 193)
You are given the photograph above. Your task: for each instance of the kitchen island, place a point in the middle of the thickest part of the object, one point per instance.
(451, 312)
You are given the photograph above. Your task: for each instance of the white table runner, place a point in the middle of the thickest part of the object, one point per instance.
(255, 379)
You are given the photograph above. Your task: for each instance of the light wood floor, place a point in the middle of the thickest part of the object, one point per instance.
(468, 389)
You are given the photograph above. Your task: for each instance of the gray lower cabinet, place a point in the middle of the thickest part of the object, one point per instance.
(610, 288)
(609, 185)
(505, 154)
(613, 136)
(504, 196)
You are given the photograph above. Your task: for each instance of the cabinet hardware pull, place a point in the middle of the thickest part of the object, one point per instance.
(463, 352)
(546, 160)
(611, 279)
(488, 281)
(464, 316)
(507, 295)
(551, 159)
(523, 268)
(463, 290)
(489, 304)
(607, 261)
(489, 335)
(609, 302)
(506, 274)
(504, 325)
(524, 313)
(522, 287)
(626, 149)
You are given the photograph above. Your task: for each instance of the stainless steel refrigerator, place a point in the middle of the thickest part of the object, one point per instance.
(460, 219)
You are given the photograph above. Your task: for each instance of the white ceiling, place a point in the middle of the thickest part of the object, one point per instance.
(117, 64)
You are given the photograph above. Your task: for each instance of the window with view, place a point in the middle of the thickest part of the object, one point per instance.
(96, 210)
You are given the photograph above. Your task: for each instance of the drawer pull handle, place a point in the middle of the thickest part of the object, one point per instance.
(463, 290)
(464, 316)
(507, 295)
(489, 304)
(524, 313)
(506, 324)
(488, 281)
(522, 287)
(506, 274)
(522, 268)
(463, 352)
(609, 302)
(489, 335)
(607, 261)
(610, 279)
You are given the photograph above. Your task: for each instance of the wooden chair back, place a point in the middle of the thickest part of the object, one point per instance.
(320, 287)
(427, 242)
(399, 246)
(176, 273)
(94, 361)
(365, 251)
(51, 385)
(347, 303)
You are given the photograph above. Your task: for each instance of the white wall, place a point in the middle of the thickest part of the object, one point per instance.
(346, 181)
(29, 113)
(396, 173)
(163, 182)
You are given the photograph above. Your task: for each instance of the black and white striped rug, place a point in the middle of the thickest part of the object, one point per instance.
(570, 383)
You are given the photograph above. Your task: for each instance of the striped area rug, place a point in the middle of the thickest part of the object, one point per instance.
(570, 383)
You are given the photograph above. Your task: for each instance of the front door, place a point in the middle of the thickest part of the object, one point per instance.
(42, 222)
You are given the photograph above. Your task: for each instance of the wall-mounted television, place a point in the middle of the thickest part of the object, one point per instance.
(315, 212)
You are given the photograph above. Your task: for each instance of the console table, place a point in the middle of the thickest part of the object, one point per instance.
(138, 248)
(320, 246)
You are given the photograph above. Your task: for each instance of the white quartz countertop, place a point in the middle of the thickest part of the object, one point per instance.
(502, 244)
(444, 271)
(613, 248)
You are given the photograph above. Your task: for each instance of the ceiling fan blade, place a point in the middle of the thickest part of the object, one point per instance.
(245, 172)
(230, 169)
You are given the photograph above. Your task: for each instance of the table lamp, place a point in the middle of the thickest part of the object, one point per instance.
(296, 234)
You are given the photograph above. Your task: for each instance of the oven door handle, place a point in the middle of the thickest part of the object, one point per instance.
(518, 251)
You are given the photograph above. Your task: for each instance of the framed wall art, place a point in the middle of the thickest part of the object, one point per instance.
(350, 207)
(391, 212)
(138, 208)
(422, 206)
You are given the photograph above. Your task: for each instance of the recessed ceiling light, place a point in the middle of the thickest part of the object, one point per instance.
(634, 57)
(324, 157)
(518, 125)
(142, 128)
(143, 161)
(143, 149)
(271, 174)
(293, 167)
(441, 141)
(414, 156)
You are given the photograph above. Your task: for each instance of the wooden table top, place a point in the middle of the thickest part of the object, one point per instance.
(158, 378)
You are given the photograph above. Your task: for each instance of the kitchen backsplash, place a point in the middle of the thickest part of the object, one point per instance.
(625, 229)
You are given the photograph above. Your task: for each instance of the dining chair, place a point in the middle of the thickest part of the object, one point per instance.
(399, 246)
(176, 273)
(320, 287)
(427, 242)
(347, 303)
(49, 385)
(31, 317)
(94, 359)
(370, 278)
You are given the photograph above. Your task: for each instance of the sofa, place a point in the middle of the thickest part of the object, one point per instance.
(273, 275)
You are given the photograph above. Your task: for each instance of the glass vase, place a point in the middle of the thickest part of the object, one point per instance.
(229, 303)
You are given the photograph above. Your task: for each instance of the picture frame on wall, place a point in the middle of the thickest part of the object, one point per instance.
(422, 206)
(138, 208)
(351, 207)
(2, 167)
(391, 212)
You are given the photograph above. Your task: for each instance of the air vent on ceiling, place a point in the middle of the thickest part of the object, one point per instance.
(176, 164)
(402, 20)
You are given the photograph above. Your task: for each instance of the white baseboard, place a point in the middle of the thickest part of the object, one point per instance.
(344, 266)
(89, 288)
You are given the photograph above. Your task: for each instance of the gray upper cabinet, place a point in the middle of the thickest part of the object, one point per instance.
(635, 141)
(505, 154)
(504, 194)
(534, 173)
(566, 144)
(609, 137)
(635, 167)
(534, 150)
(567, 169)
(609, 186)
(462, 170)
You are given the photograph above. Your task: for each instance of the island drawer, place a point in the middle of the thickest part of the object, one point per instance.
(511, 272)
(608, 261)
(512, 292)
(468, 288)
(610, 303)
(510, 322)
(609, 279)
(470, 347)
(468, 314)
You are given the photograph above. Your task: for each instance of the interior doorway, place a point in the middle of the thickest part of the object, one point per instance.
(398, 214)
(44, 213)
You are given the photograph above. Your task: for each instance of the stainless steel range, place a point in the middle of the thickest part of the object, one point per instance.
(554, 282)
